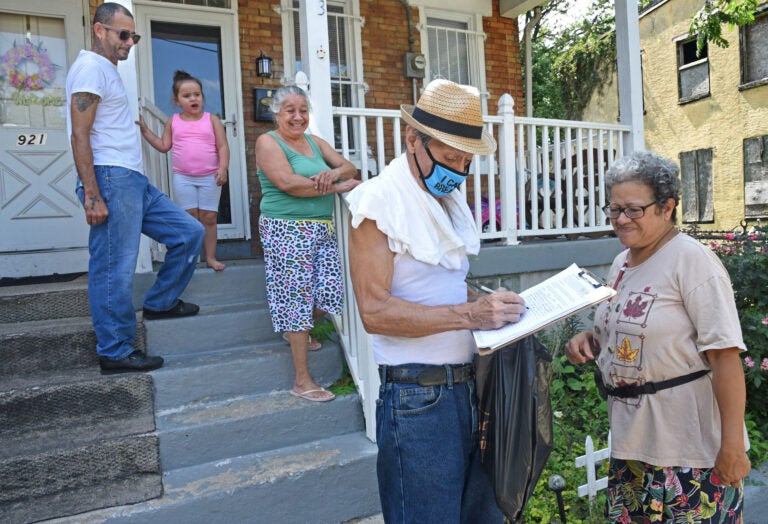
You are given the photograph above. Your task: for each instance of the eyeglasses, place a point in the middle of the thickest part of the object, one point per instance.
(124, 34)
(631, 212)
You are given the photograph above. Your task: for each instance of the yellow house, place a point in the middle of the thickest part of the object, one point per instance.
(708, 112)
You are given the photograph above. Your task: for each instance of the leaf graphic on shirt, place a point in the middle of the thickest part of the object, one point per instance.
(625, 353)
(635, 308)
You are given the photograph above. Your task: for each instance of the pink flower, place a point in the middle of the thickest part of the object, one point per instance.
(730, 236)
(749, 362)
(764, 364)
(765, 321)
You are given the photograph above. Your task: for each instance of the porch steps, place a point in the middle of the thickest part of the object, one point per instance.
(73, 439)
(234, 445)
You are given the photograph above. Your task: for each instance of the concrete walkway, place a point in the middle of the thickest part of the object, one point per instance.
(756, 496)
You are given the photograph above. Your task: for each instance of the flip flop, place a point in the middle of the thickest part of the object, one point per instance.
(313, 345)
(307, 395)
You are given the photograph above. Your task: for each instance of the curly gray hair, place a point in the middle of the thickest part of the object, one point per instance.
(650, 169)
(278, 99)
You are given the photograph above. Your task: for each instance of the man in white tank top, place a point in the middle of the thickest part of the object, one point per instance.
(410, 237)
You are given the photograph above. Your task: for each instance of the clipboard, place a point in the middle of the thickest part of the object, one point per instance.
(565, 294)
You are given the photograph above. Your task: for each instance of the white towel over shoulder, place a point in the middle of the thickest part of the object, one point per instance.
(435, 231)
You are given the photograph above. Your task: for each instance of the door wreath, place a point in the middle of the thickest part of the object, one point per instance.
(16, 56)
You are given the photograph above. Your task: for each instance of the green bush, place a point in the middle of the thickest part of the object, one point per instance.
(577, 411)
(745, 256)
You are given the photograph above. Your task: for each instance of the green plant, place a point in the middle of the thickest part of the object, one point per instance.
(323, 329)
(345, 385)
(745, 256)
(577, 411)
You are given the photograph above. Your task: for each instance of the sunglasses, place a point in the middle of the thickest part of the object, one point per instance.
(124, 34)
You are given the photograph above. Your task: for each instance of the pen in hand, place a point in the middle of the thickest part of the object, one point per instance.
(483, 289)
(479, 287)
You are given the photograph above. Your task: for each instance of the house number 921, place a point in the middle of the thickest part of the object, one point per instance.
(32, 139)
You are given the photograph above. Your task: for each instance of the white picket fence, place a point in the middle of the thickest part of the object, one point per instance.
(588, 460)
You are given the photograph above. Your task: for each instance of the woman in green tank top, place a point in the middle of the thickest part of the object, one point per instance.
(299, 174)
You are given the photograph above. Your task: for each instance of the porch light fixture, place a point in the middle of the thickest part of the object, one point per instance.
(263, 66)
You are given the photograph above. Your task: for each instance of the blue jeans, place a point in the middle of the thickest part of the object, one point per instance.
(135, 207)
(429, 467)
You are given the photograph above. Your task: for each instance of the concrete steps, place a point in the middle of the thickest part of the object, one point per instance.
(73, 439)
(303, 484)
(234, 445)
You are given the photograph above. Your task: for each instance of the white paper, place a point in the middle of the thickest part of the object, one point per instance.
(558, 297)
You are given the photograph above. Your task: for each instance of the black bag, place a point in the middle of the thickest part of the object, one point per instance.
(515, 420)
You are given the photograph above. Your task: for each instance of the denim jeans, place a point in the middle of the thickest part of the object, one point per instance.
(429, 467)
(135, 207)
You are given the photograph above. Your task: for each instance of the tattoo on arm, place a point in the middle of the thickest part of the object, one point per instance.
(85, 100)
(94, 200)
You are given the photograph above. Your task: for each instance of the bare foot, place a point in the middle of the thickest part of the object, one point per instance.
(216, 265)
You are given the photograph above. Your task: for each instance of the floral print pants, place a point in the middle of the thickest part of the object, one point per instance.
(640, 493)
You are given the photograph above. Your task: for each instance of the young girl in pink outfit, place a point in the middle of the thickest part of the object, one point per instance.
(200, 157)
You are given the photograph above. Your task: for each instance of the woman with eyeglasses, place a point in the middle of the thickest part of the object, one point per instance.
(668, 351)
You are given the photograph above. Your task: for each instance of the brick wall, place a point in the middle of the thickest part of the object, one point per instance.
(260, 30)
(385, 40)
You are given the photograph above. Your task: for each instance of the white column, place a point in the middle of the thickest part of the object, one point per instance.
(630, 73)
(128, 71)
(315, 62)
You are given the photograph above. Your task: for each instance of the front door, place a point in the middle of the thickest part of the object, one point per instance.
(42, 224)
(204, 44)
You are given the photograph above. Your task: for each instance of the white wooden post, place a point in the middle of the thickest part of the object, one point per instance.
(630, 74)
(315, 62)
(588, 461)
(507, 173)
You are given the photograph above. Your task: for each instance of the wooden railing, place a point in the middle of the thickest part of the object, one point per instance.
(157, 165)
(545, 180)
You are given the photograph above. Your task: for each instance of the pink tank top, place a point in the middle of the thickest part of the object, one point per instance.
(194, 146)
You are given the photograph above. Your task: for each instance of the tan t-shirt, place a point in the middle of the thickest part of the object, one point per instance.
(668, 311)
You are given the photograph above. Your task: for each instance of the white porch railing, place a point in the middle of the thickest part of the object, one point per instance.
(546, 179)
(157, 165)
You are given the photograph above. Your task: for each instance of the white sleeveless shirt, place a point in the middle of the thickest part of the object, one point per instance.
(430, 285)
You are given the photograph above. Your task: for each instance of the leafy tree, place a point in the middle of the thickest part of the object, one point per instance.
(709, 20)
(570, 64)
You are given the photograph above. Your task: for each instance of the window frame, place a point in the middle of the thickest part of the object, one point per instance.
(681, 67)
(755, 151)
(475, 45)
(697, 187)
(352, 22)
(762, 15)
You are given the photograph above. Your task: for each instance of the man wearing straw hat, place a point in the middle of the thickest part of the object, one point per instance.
(410, 237)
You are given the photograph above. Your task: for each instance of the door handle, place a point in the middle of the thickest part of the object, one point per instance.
(233, 123)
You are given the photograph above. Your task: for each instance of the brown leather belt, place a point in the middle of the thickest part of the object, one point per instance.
(426, 375)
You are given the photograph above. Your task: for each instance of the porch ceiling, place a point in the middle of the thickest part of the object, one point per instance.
(515, 8)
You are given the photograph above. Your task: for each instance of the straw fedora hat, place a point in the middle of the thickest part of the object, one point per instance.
(451, 113)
